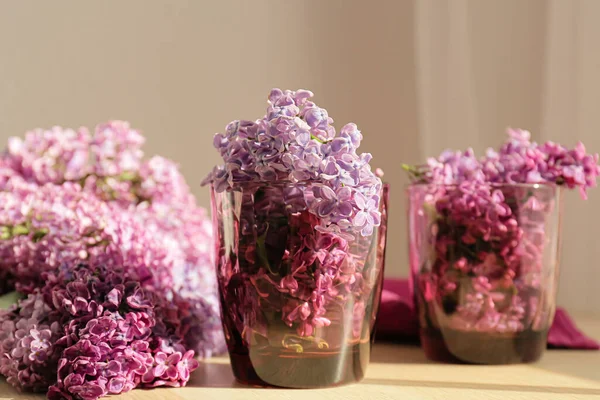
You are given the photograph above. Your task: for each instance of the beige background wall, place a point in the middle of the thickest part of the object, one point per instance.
(416, 76)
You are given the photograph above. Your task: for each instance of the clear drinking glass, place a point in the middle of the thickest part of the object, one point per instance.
(298, 304)
(484, 269)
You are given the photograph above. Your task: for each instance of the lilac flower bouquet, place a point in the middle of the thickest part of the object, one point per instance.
(484, 245)
(111, 258)
(300, 223)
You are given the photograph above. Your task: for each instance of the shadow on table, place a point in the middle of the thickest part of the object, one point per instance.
(8, 392)
(391, 353)
(482, 386)
(572, 363)
(214, 375)
(218, 375)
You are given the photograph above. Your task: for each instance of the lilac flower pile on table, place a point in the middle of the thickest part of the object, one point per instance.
(113, 259)
(298, 212)
(484, 234)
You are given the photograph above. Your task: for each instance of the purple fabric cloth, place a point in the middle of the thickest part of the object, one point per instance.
(397, 320)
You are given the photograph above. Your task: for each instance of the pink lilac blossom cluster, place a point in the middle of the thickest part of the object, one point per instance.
(519, 160)
(295, 141)
(114, 260)
(300, 274)
(488, 232)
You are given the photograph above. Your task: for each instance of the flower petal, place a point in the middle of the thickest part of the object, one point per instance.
(360, 219)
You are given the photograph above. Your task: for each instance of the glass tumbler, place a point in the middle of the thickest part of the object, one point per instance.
(298, 303)
(484, 269)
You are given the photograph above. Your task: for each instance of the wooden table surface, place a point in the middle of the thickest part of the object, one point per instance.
(402, 372)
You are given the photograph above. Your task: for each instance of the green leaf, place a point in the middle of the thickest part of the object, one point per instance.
(127, 176)
(38, 235)
(9, 299)
(261, 249)
(5, 233)
(19, 230)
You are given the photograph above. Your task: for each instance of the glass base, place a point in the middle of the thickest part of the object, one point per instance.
(455, 346)
(270, 366)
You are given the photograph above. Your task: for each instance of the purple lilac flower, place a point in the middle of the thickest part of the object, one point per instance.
(296, 142)
(116, 148)
(329, 203)
(368, 216)
(114, 348)
(28, 336)
(518, 161)
(115, 259)
(54, 155)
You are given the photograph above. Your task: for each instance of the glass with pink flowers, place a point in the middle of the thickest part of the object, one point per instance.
(484, 246)
(484, 264)
(298, 301)
(300, 221)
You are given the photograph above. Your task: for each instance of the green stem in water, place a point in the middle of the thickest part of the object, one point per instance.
(261, 250)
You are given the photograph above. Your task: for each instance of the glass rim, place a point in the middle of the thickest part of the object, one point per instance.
(281, 182)
(490, 184)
